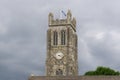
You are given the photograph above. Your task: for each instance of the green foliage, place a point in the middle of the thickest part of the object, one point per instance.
(103, 71)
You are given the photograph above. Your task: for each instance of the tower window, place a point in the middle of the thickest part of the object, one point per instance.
(59, 72)
(63, 37)
(55, 38)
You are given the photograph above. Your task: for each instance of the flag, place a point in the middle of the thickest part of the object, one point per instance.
(63, 13)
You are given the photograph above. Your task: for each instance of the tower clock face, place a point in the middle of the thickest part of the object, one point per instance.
(59, 55)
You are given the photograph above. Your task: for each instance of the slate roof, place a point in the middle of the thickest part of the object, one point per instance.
(74, 78)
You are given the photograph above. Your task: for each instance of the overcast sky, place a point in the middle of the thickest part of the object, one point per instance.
(23, 26)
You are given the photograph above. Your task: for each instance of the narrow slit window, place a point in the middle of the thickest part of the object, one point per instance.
(63, 37)
(55, 38)
(59, 72)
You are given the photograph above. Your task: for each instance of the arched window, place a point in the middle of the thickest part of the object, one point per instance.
(55, 38)
(63, 37)
(59, 72)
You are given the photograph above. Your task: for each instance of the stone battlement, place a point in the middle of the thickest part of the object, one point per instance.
(68, 21)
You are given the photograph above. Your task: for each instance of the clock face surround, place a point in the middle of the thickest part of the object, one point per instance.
(59, 55)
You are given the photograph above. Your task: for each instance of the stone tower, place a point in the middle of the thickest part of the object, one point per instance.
(61, 46)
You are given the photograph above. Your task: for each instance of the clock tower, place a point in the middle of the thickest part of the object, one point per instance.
(61, 57)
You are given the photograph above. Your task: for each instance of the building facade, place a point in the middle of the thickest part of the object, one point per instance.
(62, 46)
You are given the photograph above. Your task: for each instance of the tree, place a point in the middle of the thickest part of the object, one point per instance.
(103, 71)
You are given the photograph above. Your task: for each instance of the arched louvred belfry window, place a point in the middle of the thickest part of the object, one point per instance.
(55, 38)
(63, 36)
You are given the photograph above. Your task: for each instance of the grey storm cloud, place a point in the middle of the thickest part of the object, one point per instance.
(23, 26)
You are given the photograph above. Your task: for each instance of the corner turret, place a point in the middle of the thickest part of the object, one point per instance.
(74, 22)
(69, 16)
(50, 18)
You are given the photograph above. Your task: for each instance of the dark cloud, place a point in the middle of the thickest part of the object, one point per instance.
(23, 26)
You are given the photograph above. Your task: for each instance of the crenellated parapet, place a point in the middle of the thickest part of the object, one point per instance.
(69, 20)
